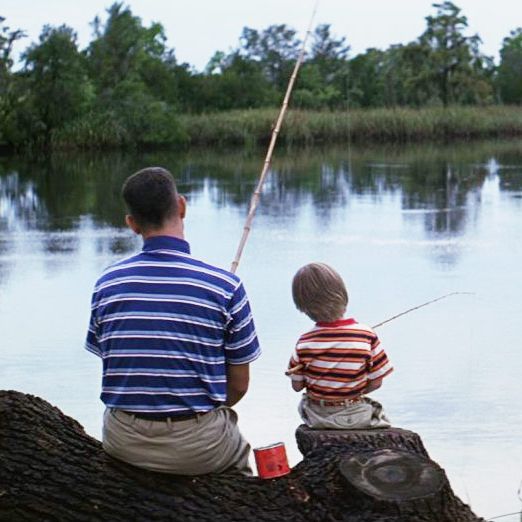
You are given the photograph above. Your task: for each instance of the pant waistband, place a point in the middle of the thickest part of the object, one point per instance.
(340, 402)
(161, 417)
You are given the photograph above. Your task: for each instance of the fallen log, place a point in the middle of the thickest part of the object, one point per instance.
(51, 470)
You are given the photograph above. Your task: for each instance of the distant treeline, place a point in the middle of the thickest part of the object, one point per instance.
(126, 88)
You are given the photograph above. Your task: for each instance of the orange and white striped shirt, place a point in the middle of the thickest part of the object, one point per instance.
(339, 360)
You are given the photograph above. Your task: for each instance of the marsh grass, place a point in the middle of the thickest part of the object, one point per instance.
(399, 125)
(249, 128)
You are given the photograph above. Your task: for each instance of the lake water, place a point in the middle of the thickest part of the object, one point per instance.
(402, 226)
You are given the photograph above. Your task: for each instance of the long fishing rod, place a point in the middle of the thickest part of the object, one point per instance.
(266, 165)
(420, 306)
(301, 366)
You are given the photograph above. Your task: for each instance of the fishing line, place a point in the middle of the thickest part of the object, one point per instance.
(420, 306)
(506, 515)
(268, 159)
(300, 366)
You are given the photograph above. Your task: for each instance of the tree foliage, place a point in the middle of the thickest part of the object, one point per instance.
(510, 69)
(56, 76)
(127, 87)
(458, 69)
(8, 83)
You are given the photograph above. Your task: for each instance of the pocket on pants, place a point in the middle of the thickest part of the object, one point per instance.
(357, 416)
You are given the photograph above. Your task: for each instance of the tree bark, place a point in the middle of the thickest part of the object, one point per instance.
(389, 471)
(308, 440)
(51, 470)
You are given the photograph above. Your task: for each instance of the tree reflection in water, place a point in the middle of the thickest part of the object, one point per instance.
(439, 184)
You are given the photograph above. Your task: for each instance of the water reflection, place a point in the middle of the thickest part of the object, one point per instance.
(442, 186)
(402, 225)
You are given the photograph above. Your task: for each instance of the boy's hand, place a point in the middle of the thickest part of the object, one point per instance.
(295, 369)
(298, 385)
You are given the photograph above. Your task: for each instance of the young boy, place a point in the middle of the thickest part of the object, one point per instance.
(339, 360)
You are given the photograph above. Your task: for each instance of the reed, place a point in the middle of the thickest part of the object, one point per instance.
(397, 125)
(253, 127)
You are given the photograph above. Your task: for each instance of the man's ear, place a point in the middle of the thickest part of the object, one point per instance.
(131, 223)
(182, 206)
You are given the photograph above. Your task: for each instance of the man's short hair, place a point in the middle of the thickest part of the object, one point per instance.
(151, 196)
(319, 291)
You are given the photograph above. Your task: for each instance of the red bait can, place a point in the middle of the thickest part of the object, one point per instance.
(271, 461)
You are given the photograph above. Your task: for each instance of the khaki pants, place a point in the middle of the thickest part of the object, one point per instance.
(209, 443)
(364, 414)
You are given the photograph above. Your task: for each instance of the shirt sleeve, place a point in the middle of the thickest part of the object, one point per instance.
(91, 343)
(241, 343)
(379, 365)
(296, 375)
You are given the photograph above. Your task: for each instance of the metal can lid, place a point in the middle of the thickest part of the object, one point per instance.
(271, 446)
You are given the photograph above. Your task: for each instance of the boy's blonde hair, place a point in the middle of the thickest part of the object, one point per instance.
(319, 291)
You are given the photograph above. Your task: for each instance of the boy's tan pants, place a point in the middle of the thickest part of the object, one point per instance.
(209, 443)
(360, 415)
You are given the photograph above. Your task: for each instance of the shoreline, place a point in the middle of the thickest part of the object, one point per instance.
(252, 128)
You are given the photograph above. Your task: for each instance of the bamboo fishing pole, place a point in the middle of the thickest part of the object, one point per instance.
(301, 366)
(268, 159)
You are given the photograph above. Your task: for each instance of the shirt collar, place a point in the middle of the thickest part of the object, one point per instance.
(339, 322)
(166, 243)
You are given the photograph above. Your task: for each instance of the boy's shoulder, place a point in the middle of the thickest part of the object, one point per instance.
(323, 331)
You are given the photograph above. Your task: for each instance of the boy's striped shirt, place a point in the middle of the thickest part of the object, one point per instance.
(165, 326)
(339, 360)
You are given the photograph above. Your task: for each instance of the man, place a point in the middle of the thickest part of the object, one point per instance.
(176, 337)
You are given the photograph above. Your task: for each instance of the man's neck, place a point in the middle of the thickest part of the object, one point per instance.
(170, 230)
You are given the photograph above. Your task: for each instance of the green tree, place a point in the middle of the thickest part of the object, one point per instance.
(57, 78)
(136, 77)
(328, 52)
(458, 69)
(366, 87)
(7, 39)
(323, 81)
(124, 51)
(275, 49)
(242, 85)
(406, 80)
(510, 69)
(8, 82)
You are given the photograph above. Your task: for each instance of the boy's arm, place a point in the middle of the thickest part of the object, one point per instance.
(295, 372)
(379, 366)
(298, 385)
(372, 386)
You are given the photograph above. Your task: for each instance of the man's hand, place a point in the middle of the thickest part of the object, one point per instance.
(238, 376)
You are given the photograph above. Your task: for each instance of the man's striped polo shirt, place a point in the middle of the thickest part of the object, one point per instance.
(339, 360)
(165, 326)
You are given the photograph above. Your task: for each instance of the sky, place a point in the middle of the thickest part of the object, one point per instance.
(198, 28)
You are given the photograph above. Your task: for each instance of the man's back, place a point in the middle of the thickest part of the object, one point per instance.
(176, 337)
(166, 325)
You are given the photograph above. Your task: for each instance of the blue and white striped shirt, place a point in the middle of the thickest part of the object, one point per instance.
(165, 326)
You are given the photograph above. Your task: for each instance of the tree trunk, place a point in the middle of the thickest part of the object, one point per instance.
(51, 470)
(309, 440)
(389, 471)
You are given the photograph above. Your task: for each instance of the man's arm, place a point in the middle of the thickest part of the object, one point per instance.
(241, 346)
(238, 376)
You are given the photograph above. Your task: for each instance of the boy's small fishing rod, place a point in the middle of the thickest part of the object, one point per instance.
(420, 306)
(300, 366)
(266, 165)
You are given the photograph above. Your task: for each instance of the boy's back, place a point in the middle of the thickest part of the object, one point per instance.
(339, 360)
